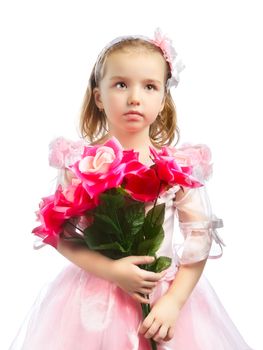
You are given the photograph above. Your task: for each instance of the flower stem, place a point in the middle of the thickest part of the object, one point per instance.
(75, 234)
(156, 199)
(145, 311)
(153, 344)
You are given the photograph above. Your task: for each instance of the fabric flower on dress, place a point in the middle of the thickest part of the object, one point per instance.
(63, 152)
(196, 156)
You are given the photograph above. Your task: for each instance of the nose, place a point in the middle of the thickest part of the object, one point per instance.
(134, 98)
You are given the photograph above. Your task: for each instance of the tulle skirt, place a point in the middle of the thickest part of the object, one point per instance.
(79, 311)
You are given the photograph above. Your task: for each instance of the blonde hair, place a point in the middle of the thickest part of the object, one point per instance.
(93, 122)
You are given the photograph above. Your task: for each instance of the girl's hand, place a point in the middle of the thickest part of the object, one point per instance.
(134, 280)
(160, 322)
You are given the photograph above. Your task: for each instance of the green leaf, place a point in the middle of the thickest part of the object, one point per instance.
(121, 228)
(112, 199)
(154, 219)
(134, 215)
(150, 246)
(109, 224)
(153, 236)
(106, 217)
(94, 236)
(156, 214)
(110, 246)
(160, 264)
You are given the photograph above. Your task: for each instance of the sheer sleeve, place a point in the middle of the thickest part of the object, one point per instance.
(197, 222)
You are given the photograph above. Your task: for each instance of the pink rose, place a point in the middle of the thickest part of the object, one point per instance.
(100, 167)
(73, 200)
(170, 172)
(51, 222)
(131, 159)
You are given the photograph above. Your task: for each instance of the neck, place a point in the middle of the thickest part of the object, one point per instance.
(138, 142)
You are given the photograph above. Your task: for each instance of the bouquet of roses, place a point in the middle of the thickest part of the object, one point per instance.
(104, 205)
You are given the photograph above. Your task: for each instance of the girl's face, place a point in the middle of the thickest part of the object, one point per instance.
(132, 90)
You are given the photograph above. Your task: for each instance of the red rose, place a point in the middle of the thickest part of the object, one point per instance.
(143, 185)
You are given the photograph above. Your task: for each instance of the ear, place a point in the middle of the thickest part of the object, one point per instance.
(97, 97)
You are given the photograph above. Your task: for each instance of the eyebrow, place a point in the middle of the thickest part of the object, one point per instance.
(149, 81)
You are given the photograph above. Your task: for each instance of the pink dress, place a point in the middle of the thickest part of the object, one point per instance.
(79, 311)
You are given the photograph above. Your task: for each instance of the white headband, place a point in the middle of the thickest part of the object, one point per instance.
(161, 41)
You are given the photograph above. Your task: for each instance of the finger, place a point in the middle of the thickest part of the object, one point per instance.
(140, 298)
(145, 290)
(170, 334)
(149, 284)
(146, 324)
(141, 260)
(153, 276)
(152, 330)
(161, 334)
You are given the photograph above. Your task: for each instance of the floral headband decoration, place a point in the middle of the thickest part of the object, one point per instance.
(161, 41)
(170, 55)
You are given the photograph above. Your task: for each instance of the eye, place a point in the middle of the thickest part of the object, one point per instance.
(120, 85)
(151, 87)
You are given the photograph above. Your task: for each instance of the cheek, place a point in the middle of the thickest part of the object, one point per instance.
(157, 105)
(154, 110)
(115, 101)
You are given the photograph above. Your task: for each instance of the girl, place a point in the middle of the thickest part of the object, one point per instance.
(95, 302)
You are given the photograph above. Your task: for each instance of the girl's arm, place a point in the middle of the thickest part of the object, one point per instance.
(123, 272)
(195, 218)
(185, 280)
(160, 323)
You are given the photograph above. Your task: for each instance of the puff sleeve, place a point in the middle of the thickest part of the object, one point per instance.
(62, 153)
(197, 222)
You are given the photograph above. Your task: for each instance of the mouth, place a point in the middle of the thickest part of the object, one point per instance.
(133, 114)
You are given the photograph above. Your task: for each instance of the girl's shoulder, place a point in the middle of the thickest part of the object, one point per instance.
(198, 156)
(64, 152)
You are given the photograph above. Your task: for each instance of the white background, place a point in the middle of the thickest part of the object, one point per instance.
(47, 51)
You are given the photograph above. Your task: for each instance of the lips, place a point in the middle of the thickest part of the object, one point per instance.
(133, 113)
